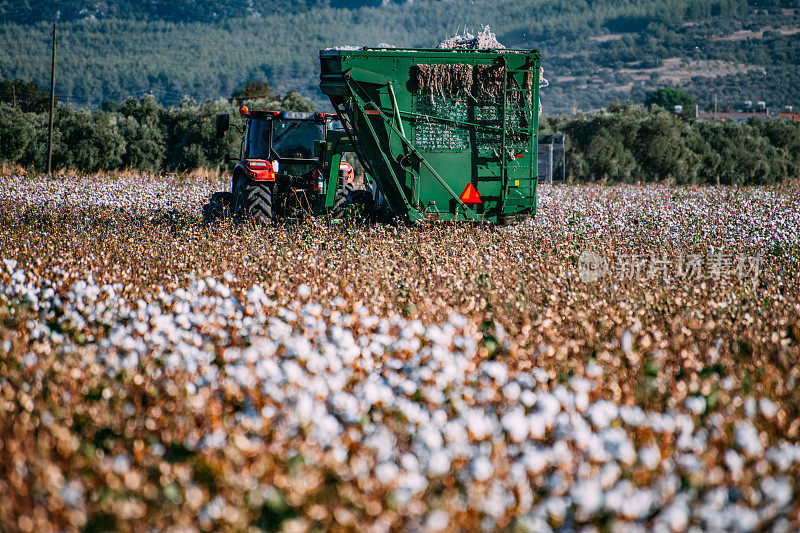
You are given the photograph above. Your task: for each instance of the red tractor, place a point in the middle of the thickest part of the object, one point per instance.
(286, 168)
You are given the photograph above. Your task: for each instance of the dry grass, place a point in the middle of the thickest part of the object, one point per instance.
(657, 344)
(482, 82)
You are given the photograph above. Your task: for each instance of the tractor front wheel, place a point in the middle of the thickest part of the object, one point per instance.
(350, 202)
(253, 201)
(218, 207)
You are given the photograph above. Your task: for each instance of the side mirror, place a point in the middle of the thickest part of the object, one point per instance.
(223, 123)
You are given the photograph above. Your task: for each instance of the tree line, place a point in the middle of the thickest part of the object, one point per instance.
(137, 134)
(623, 143)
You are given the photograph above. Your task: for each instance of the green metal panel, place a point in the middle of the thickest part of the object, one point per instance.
(424, 145)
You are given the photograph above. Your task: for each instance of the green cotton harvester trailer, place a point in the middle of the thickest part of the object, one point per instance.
(449, 134)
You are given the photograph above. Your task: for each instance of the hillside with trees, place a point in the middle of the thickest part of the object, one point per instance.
(593, 52)
(623, 143)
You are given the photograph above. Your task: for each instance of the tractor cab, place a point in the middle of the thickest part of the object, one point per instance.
(280, 141)
(281, 169)
(283, 136)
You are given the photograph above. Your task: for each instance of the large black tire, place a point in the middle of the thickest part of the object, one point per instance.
(349, 202)
(253, 201)
(218, 207)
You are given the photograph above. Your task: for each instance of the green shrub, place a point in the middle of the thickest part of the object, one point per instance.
(17, 131)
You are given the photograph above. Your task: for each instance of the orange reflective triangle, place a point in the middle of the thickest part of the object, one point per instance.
(470, 195)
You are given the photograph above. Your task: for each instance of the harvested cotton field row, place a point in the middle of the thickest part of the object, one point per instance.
(155, 373)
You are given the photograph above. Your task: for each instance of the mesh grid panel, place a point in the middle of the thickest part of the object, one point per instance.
(435, 135)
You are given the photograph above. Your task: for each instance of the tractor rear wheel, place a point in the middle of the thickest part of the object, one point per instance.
(253, 201)
(352, 202)
(218, 207)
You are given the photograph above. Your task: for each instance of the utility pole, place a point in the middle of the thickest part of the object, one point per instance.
(52, 105)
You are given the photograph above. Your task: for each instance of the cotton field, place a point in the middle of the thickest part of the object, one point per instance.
(156, 374)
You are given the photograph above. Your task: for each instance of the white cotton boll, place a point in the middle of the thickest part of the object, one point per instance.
(781, 456)
(438, 464)
(556, 508)
(595, 450)
(481, 468)
(735, 463)
(478, 424)
(536, 460)
(436, 521)
(563, 396)
(495, 503)
(10, 264)
(650, 457)
(581, 401)
(633, 416)
(593, 370)
(587, 495)
(222, 290)
(675, 517)
(511, 391)
(431, 437)
(661, 423)
(326, 429)
(121, 463)
(695, 405)
(439, 418)
(386, 472)
(747, 439)
(413, 482)
(548, 405)
(516, 425)
(561, 454)
(616, 496)
(304, 408)
(303, 291)
(383, 442)
(30, 359)
(609, 475)
(540, 374)
(580, 384)
(750, 408)
(294, 373)
(616, 442)
(639, 504)
(456, 319)
(72, 494)
(626, 343)
(601, 413)
(778, 490)
(527, 397)
(268, 412)
(499, 332)
(409, 462)
(437, 335)
(408, 387)
(571, 426)
(532, 524)
(740, 518)
(767, 407)
(495, 370)
(537, 426)
(267, 369)
(455, 432)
